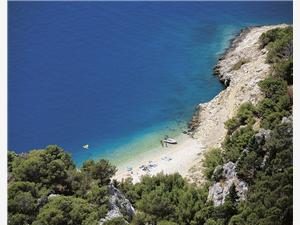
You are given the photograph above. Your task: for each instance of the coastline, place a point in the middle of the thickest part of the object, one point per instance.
(171, 159)
(206, 128)
(241, 86)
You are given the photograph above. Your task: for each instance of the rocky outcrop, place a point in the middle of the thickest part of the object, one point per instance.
(262, 135)
(234, 43)
(119, 206)
(193, 123)
(226, 174)
(219, 190)
(241, 68)
(287, 119)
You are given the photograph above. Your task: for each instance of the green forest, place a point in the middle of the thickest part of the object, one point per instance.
(45, 187)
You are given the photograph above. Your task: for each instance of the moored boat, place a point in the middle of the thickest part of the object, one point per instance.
(170, 140)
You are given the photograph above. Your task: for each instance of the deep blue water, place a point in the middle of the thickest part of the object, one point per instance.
(103, 73)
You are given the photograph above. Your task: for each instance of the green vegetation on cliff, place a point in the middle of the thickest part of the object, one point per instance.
(45, 188)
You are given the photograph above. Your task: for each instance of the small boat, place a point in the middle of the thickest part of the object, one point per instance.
(86, 146)
(170, 140)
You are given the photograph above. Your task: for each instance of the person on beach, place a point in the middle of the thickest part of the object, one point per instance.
(162, 143)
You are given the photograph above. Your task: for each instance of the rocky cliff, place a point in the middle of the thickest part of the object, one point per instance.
(240, 69)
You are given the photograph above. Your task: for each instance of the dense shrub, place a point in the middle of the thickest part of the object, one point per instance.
(165, 198)
(47, 166)
(273, 88)
(10, 158)
(280, 50)
(284, 70)
(83, 194)
(246, 113)
(280, 45)
(276, 104)
(274, 35)
(232, 124)
(212, 158)
(101, 170)
(116, 221)
(237, 142)
(245, 116)
(67, 210)
(248, 165)
(22, 202)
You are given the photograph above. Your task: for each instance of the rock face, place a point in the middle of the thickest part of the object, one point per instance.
(219, 190)
(226, 174)
(287, 119)
(241, 68)
(262, 135)
(119, 206)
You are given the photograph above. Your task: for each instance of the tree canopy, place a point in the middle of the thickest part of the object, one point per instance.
(48, 189)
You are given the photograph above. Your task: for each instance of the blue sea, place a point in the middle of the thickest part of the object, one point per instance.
(116, 75)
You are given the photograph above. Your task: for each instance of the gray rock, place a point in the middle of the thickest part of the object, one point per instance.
(119, 206)
(229, 170)
(245, 150)
(262, 135)
(241, 188)
(287, 119)
(53, 196)
(219, 190)
(42, 201)
(215, 194)
(266, 157)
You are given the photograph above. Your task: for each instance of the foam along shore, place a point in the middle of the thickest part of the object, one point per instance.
(174, 158)
(241, 68)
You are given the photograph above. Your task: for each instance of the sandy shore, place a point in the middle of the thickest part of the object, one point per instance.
(171, 159)
(207, 125)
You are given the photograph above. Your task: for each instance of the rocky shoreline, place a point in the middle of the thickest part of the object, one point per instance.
(234, 42)
(241, 67)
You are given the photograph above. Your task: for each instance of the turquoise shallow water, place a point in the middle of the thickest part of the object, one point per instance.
(117, 76)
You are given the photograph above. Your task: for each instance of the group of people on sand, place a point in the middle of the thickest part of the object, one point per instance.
(151, 165)
(147, 168)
